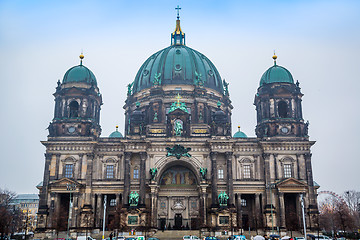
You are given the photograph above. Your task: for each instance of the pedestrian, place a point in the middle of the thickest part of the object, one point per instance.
(111, 236)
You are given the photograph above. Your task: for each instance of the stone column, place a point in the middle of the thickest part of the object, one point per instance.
(309, 179)
(203, 202)
(143, 157)
(230, 188)
(57, 166)
(43, 198)
(98, 210)
(117, 199)
(126, 177)
(214, 193)
(88, 178)
(239, 210)
(154, 196)
(282, 209)
(79, 175)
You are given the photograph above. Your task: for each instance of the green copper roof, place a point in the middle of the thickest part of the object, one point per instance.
(276, 74)
(116, 134)
(239, 134)
(175, 65)
(79, 73)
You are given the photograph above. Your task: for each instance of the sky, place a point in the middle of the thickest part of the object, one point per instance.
(317, 41)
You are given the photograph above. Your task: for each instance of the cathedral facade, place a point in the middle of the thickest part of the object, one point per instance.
(177, 165)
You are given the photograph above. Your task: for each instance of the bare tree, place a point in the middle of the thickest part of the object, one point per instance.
(10, 216)
(352, 199)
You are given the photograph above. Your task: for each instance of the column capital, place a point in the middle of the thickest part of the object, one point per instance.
(228, 155)
(48, 156)
(143, 155)
(90, 156)
(127, 155)
(213, 155)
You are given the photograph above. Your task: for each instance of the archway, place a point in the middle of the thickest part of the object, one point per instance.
(178, 197)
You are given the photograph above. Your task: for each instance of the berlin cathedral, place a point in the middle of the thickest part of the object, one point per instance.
(177, 165)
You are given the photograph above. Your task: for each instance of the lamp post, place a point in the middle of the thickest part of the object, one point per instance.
(69, 188)
(271, 186)
(303, 213)
(105, 199)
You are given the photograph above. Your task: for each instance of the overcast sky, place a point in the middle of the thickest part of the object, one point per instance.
(317, 41)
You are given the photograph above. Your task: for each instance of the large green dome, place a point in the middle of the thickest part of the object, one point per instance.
(177, 65)
(79, 73)
(276, 74)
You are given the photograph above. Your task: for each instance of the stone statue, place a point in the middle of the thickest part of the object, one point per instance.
(155, 117)
(178, 127)
(198, 80)
(129, 92)
(134, 199)
(223, 197)
(153, 172)
(226, 88)
(203, 172)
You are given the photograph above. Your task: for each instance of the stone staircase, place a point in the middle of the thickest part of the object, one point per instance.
(175, 234)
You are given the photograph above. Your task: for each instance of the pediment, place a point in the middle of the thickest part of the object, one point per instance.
(62, 184)
(291, 185)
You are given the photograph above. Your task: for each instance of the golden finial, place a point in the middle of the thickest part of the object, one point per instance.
(274, 57)
(117, 127)
(81, 58)
(239, 128)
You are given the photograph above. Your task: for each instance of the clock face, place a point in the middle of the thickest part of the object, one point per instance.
(284, 130)
(71, 129)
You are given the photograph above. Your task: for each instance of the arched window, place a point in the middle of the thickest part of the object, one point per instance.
(74, 109)
(283, 109)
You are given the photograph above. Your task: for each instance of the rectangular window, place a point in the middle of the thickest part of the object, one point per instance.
(247, 171)
(243, 202)
(221, 174)
(287, 171)
(69, 170)
(113, 202)
(224, 220)
(109, 171)
(132, 220)
(136, 173)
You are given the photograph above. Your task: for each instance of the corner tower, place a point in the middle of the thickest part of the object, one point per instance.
(77, 104)
(278, 105)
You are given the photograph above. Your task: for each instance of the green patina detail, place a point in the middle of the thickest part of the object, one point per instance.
(223, 198)
(130, 90)
(134, 199)
(155, 116)
(178, 151)
(178, 105)
(178, 128)
(153, 172)
(157, 79)
(137, 104)
(198, 81)
(218, 104)
(226, 88)
(203, 172)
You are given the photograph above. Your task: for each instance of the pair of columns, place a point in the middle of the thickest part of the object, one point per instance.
(142, 175)
(214, 177)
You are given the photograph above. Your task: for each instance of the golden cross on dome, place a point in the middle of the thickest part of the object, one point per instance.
(178, 97)
(178, 9)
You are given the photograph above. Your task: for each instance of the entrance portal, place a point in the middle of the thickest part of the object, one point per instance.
(178, 221)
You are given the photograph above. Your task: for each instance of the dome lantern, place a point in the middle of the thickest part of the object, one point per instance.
(178, 36)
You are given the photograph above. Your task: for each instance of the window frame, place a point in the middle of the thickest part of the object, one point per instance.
(66, 172)
(109, 173)
(220, 173)
(287, 170)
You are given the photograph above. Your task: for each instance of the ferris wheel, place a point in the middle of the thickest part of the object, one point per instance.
(327, 199)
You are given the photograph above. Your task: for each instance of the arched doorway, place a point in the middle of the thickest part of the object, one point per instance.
(178, 199)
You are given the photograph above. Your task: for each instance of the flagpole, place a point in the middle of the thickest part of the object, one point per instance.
(104, 217)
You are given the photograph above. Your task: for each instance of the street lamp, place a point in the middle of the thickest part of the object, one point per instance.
(69, 188)
(303, 213)
(271, 186)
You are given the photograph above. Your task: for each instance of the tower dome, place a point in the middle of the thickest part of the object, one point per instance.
(116, 134)
(276, 74)
(239, 134)
(79, 73)
(177, 65)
